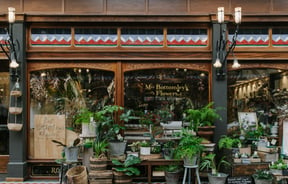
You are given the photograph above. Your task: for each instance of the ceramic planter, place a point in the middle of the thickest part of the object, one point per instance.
(145, 150)
(191, 161)
(71, 154)
(172, 177)
(88, 130)
(219, 179)
(117, 148)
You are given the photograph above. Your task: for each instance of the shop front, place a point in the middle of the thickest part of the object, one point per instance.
(152, 62)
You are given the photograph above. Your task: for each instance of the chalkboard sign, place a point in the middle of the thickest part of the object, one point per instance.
(240, 180)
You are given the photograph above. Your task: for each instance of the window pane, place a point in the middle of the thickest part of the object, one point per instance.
(170, 89)
(280, 37)
(250, 37)
(187, 38)
(259, 91)
(50, 37)
(141, 37)
(96, 37)
(56, 95)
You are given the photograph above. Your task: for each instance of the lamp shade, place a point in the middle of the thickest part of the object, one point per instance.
(220, 15)
(238, 15)
(11, 14)
(13, 64)
(217, 63)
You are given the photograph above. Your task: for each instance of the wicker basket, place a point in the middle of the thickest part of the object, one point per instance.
(77, 174)
(14, 126)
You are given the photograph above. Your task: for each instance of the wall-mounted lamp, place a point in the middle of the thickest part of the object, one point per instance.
(9, 45)
(221, 46)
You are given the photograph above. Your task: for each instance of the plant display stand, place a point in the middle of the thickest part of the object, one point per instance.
(15, 108)
(188, 169)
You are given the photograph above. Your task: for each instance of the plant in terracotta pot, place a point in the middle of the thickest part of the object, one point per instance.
(189, 147)
(123, 170)
(263, 176)
(202, 120)
(209, 162)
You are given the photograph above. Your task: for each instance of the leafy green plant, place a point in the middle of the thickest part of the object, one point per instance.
(279, 164)
(209, 162)
(127, 167)
(263, 174)
(172, 168)
(229, 142)
(145, 143)
(83, 116)
(189, 144)
(107, 127)
(204, 116)
(100, 148)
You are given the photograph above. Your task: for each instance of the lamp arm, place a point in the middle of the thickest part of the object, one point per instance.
(233, 45)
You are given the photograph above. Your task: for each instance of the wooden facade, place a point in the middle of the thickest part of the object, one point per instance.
(162, 14)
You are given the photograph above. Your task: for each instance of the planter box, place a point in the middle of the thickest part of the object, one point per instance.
(276, 172)
(268, 157)
(158, 173)
(271, 149)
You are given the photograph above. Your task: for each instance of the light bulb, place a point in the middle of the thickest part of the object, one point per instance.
(11, 14)
(235, 63)
(13, 64)
(238, 15)
(217, 63)
(220, 15)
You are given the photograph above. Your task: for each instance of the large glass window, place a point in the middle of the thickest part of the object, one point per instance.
(56, 95)
(257, 102)
(166, 89)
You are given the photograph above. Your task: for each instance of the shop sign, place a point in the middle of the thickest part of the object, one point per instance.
(45, 170)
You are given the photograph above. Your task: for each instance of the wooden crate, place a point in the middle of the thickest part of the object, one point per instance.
(247, 169)
(268, 157)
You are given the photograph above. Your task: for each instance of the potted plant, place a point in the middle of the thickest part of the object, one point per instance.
(70, 153)
(202, 120)
(99, 159)
(189, 147)
(172, 173)
(279, 167)
(108, 129)
(145, 147)
(263, 176)
(209, 162)
(124, 170)
(168, 149)
(85, 118)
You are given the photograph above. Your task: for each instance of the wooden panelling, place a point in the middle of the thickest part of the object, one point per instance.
(167, 7)
(43, 7)
(208, 7)
(126, 6)
(84, 6)
(3, 163)
(280, 5)
(4, 4)
(144, 7)
(252, 7)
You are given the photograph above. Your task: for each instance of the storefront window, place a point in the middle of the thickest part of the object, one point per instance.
(166, 89)
(4, 103)
(187, 38)
(257, 101)
(101, 37)
(141, 37)
(56, 95)
(250, 37)
(56, 37)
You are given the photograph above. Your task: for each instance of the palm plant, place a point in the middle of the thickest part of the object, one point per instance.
(209, 162)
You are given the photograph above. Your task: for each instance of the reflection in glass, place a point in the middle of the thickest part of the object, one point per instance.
(172, 89)
(263, 91)
(65, 91)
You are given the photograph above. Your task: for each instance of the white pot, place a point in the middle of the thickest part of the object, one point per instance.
(88, 130)
(145, 150)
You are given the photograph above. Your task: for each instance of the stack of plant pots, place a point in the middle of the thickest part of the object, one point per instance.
(98, 171)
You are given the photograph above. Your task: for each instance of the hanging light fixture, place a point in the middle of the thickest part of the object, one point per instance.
(8, 46)
(221, 47)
